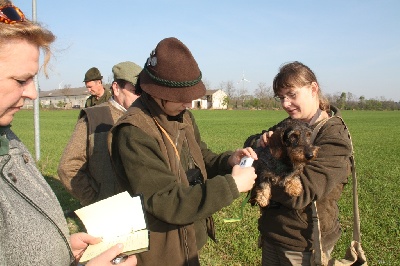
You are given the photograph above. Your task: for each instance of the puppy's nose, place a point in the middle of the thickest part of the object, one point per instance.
(309, 155)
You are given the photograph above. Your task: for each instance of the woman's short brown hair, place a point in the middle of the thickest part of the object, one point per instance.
(296, 74)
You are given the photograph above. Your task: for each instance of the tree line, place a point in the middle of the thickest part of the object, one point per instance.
(263, 98)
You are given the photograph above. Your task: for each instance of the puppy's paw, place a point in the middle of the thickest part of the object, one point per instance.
(263, 195)
(293, 186)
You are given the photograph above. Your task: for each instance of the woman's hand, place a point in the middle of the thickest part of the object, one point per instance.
(80, 241)
(264, 138)
(105, 258)
(235, 158)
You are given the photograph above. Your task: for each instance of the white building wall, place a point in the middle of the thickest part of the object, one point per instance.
(215, 101)
(69, 100)
(218, 99)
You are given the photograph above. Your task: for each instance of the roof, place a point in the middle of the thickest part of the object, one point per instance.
(83, 91)
(210, 92)
(64, 92)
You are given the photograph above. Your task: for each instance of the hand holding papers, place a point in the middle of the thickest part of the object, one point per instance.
(117, 219)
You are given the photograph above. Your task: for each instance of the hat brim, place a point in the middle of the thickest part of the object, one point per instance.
(93, 79)
(173, 94)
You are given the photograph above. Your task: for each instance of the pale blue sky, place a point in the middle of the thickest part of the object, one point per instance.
(351, 45)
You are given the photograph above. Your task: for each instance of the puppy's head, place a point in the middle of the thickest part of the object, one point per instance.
(297, 139)
(292, 141)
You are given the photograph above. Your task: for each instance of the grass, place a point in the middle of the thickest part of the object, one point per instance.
(377, 153)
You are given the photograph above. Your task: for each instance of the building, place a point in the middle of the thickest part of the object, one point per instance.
(214, 99)
(64, 98)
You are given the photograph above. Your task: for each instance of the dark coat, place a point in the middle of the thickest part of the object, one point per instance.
(146, 163)
(92, 101)
(288, 222)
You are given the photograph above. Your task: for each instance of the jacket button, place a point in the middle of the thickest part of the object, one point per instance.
(12, 177)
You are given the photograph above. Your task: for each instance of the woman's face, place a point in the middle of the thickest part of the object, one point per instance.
(19, 63)
(300, 102)
(172, 108)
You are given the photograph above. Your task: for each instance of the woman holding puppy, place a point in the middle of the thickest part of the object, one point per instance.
(286, 223)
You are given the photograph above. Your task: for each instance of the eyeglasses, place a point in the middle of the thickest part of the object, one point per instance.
(10, 14)
(290, 96)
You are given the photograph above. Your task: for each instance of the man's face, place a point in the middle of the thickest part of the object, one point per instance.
(124, 96)
(95, 87)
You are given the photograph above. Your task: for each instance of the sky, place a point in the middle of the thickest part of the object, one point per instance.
(351, 45)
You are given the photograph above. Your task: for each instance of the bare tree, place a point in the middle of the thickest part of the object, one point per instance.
(333, 98)
(229, 89)
(207, 84)
(263, 91)
(66, 91)
(351, 97)
(264, 94)
(351, 102)
(110, 79)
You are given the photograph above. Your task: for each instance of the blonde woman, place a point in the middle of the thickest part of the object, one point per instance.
(33, 230)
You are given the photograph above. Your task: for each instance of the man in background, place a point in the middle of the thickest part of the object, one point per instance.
(94, 84)
(85, 168)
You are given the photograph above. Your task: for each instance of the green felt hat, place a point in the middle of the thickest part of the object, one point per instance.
(128, 71)
(92, 74)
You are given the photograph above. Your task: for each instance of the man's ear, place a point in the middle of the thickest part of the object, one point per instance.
(115, 88)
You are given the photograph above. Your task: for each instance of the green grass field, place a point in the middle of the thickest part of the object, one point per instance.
(377, 153)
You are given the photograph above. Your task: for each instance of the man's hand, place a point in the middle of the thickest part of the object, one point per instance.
(244, 177)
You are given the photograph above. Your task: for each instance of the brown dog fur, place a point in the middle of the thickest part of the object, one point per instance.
(282, 161)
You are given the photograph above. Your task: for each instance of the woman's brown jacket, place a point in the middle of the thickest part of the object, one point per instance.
(288, 222)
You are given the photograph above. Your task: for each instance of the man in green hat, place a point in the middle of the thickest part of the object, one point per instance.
(85, 168)
(94, 84)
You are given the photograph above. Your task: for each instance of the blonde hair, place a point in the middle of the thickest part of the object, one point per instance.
(296, 74)
(28, 31)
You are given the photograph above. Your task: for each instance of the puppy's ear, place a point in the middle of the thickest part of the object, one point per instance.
(290, 137)
(275, 143)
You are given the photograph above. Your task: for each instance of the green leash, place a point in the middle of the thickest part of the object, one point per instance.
(233, 220)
